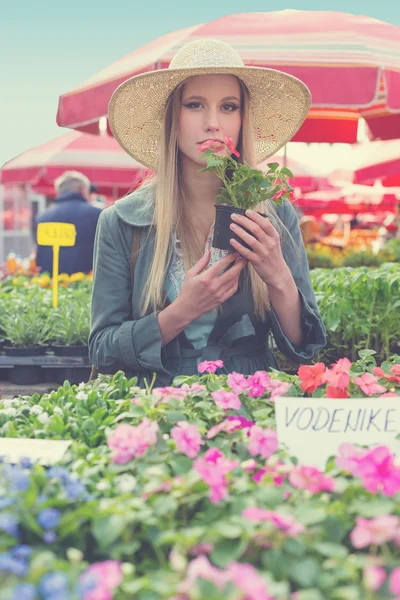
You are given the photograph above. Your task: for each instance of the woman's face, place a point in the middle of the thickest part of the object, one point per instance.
(210, 109)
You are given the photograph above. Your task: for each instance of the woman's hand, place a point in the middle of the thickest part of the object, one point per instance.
(265, 252)
(204, 289)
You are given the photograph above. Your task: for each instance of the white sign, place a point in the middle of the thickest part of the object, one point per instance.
(45, 452)
(312, 429)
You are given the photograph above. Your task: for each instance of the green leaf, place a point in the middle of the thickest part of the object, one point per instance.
(305, 571)
(228, 529)
(227, 551)
(108, 528)
(372, 507)
(331, 549)
(309, 515)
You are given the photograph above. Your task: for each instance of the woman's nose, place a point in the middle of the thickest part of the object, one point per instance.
(211, 121)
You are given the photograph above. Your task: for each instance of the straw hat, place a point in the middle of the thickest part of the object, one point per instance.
(279, 102)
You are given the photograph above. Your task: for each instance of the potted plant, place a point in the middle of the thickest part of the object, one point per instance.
(26, 329)
(243, 187)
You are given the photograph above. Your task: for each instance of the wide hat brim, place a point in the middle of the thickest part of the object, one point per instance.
(279, 106)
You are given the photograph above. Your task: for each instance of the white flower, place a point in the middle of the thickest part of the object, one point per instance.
(102, 485)
(58, 411)
(126, 483)
(81, 386)
(36, 410)
(9, 411)
(81, 396)
(43, 418)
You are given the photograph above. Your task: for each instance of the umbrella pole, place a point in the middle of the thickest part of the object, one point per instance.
(285, 155)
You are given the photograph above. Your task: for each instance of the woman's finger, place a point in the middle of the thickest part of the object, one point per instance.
(201, 264)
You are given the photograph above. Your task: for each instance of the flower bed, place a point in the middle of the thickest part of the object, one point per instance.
(183, 493)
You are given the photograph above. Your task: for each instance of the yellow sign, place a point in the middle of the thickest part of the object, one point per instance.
(60, 234)
(56, 235)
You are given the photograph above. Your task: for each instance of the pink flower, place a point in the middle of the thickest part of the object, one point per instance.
(195, 387)
(279, 194)
(210, 366)
(395, 370)
(338, 379)
(376, 531)
(262, 441)
(349, 458)
(237, 382)
(226, 400)
(257, 384)
(374, 578)
(378, 472)
(311, 376)
(278, 473)
(278, 388)
(214, 145)
(201, 568)
(187, 438)
(167, 393)
(394, 585)
(285, 523)
(248, 581)
(369, 384)
(311, 479)
(389, 395)
(229, 425)
(213, 468)
(231, 147)
(105, 576)
(129, 442)
(202, 548)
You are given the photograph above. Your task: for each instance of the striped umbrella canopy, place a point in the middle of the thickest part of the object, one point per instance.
(371, 162)
(346, 200)
(351, 64)
(100, 158)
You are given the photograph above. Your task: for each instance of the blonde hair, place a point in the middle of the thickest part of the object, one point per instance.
(170, 208)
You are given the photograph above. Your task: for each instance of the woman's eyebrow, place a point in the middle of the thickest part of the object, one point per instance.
(205, 99)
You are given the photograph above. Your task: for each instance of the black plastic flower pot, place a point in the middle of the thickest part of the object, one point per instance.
(75, 350)
(26, 375)
(74, 375)
(222, 231)
(24, 350)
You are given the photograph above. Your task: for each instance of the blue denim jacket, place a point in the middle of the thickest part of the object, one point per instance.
(239, 338)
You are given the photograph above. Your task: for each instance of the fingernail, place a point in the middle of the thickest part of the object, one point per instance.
(233, 226)
(233, 216)
(249, 212)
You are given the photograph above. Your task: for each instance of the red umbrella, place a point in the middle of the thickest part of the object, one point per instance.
(351, 63)
(336, 200)
(100, 158)
(371, 162)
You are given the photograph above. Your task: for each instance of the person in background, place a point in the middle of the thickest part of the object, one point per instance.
(72, 205)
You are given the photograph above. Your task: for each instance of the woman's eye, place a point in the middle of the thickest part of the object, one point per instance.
(229, 107)
(193, 105)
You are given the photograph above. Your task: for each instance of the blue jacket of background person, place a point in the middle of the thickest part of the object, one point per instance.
(73, 208)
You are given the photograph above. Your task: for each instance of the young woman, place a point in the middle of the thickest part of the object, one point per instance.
(191, 302)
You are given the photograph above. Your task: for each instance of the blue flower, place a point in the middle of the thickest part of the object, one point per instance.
(49, 537)
(25, 462)
(48, 518)
(53, 584)
(18, 479)
(24, 591)
(4, 502)
(59, 473)
(13, 565)
(9, 524)
(74, 489)
(21, 551)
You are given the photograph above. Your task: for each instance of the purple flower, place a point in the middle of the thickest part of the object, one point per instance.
(25, 462)
(24, 591)
(49, 537)
(4, 502)
(13, 565)
(9, 524)
(74, 489)
(48, 518)
(21, 551)
(53, 584)
(59, 473)
(17, 477)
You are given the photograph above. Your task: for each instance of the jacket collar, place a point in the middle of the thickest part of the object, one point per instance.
(137, 208)
(70, 196)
